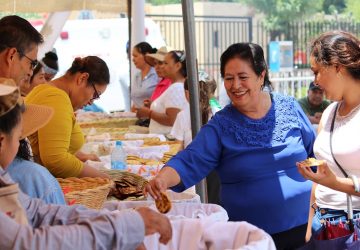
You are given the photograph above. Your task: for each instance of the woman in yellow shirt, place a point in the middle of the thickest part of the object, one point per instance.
(56, 146)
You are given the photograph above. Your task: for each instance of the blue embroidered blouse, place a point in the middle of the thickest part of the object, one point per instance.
(255, 160)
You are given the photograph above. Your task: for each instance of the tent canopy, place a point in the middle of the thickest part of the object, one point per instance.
(121, 6)
(63, 5)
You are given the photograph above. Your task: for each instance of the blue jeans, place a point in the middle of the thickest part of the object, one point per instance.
(332, 215)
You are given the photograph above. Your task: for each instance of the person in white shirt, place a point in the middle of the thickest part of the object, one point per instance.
(181, 130)
(164, 109)
(335, 62)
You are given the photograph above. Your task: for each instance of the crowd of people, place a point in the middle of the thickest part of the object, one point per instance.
(249, 150)
(27, 221)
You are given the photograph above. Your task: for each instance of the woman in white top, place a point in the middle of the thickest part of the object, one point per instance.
(336, 65)
(181, 130)
(164, 109)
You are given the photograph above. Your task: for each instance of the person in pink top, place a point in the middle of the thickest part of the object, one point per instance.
(156, 60)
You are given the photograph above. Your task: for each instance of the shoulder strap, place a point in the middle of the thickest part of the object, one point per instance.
(348, 197)
(331, 149)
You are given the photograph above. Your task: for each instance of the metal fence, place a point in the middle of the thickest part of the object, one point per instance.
(294, 83)
(215, 33)
(302, 33)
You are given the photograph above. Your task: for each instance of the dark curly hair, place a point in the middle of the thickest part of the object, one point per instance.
(338, 48)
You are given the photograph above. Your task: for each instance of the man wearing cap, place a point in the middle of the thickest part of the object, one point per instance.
(19, 42)
(314, 104)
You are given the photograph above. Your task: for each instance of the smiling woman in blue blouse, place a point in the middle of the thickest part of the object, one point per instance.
(253, 144)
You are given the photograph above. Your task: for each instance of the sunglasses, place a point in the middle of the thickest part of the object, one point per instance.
(96, 93)
(33, 63)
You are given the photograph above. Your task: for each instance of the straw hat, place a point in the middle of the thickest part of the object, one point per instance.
(159, 55)
(9, 95)
(34, 116)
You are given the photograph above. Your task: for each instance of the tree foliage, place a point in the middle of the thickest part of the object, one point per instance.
(333, 6)
(353, 8)
(163, 2)
(278, 13)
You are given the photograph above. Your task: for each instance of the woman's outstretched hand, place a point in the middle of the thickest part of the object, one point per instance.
(155, 187)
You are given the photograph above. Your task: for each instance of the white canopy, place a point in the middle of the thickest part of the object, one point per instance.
(121, 6)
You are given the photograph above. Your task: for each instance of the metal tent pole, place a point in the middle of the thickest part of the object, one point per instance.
(192, 77)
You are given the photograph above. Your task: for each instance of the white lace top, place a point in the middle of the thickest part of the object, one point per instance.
(173, 97)
(346, 148)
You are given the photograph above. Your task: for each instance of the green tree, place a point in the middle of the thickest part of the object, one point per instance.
(333, 6)
(23, 15)
(162, 2)
(278, 13)
(223, 1)
(353, 8)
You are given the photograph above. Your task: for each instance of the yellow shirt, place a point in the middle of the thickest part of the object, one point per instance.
(55, 144)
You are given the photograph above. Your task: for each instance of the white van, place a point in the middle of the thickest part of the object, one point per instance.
(105, 38)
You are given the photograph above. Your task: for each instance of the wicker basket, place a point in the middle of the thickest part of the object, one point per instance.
(118, 175)
(100, 130)
(87, 191)
(109, 123)
(136, 180)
